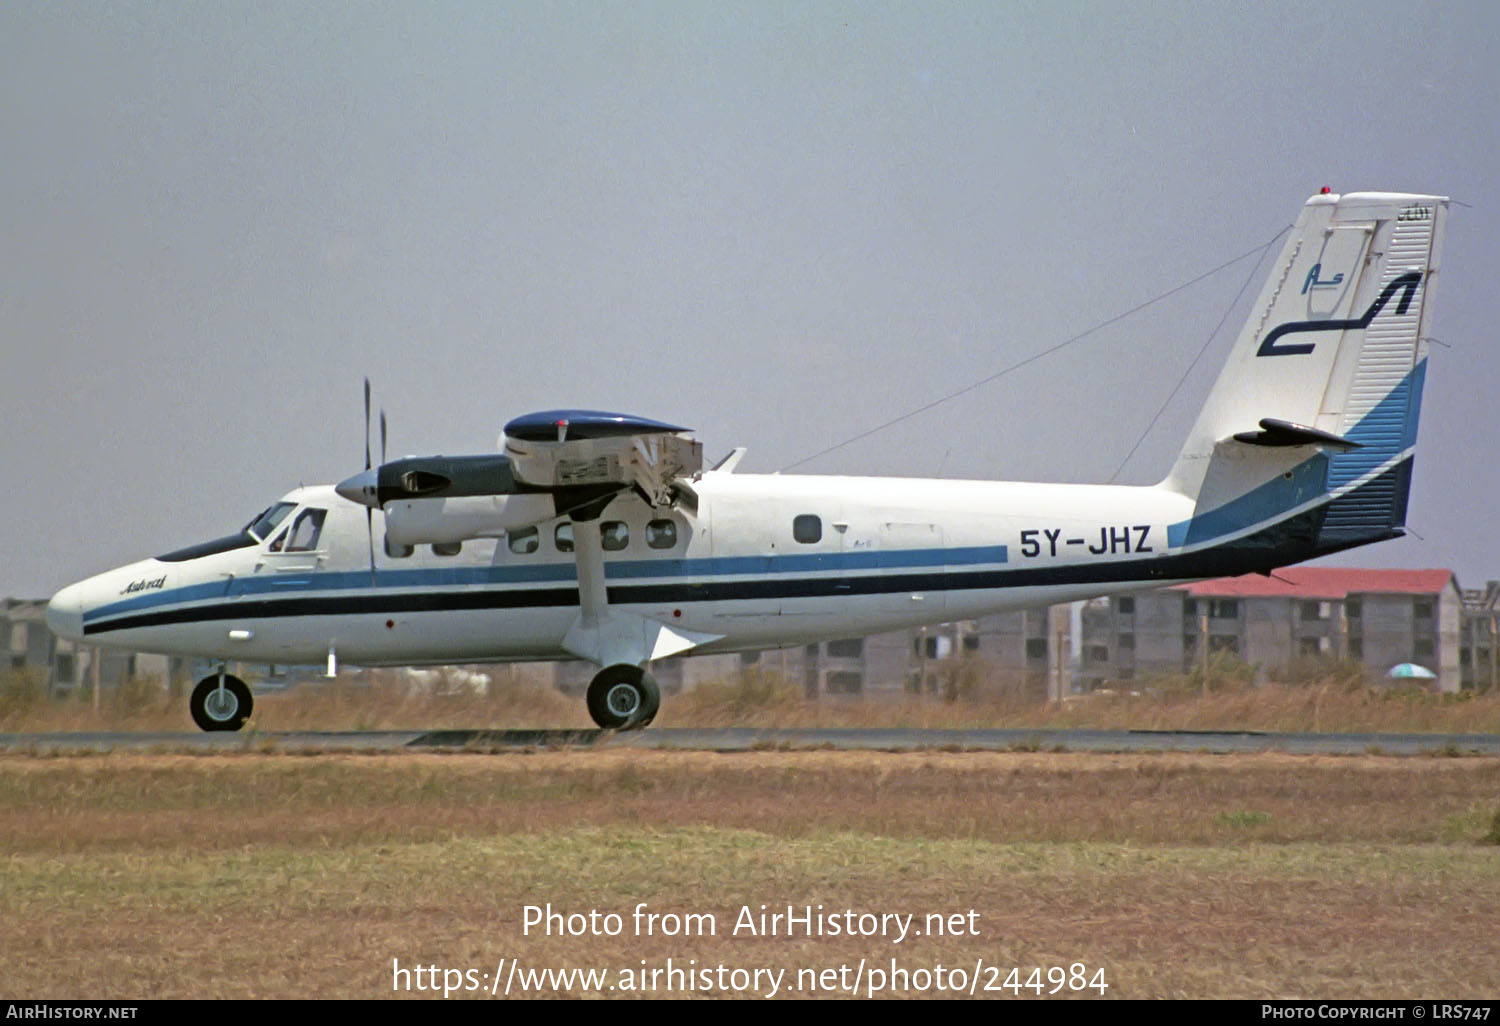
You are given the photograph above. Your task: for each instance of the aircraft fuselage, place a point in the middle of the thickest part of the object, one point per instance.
(765, 561)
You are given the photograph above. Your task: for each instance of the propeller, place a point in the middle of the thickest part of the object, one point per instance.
(369, 511)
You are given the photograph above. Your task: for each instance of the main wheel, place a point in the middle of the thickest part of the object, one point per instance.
(623, 698)
(653, 700)
(216, 708)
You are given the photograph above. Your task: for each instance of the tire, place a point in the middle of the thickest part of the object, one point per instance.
(652, 705)
(213, 711)
(623, 698)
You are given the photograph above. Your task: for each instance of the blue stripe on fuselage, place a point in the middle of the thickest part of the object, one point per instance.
(637, 569)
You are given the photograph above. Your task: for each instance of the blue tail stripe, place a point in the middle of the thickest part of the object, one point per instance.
(1387, 430)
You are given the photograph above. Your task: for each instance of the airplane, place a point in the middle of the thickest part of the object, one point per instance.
(603, 537)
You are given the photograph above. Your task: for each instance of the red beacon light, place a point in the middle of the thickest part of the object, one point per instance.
(1324, 191)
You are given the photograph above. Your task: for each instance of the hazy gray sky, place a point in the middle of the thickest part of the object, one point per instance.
(777, 223)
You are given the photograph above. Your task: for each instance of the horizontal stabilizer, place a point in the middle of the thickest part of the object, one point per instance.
(1279, 433)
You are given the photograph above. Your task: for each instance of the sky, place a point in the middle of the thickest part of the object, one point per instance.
(779, 224)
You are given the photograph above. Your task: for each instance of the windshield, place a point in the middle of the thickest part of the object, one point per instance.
(261, 527)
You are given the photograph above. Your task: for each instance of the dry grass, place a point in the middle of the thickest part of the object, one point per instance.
(1182, 876)
(764, 700)
(1321, 706)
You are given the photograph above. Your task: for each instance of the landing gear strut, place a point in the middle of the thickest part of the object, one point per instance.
(623, 697)
(221, 702)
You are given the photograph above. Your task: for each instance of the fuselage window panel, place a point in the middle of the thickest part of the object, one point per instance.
(563, 537)
(397, 551)
(447, 548)
(661, 534)
(523, 542)
(807, 528)
(614, 535)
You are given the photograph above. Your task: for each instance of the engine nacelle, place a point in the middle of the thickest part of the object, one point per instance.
(582, 448)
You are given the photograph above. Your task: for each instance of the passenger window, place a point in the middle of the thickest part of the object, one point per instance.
(303, 537)
(397, 551)
(447, 548)
(523, 542)
(661, 534)
(614, 534)
(807, 529)
(563, 537)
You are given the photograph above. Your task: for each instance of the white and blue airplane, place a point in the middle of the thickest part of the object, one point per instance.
(602, 536)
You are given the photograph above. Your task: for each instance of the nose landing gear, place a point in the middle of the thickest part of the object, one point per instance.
(221, 702)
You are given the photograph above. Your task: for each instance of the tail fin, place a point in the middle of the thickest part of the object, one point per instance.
(1306, 439)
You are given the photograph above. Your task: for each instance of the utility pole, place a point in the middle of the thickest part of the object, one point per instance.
(922, 661)
(1491, 650)
(1203, 646)
(1062, 665)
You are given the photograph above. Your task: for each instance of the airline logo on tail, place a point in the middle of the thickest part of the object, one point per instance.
(1406, 285)
(1313, 282)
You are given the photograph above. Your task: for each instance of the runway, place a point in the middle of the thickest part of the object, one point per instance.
(745, 739)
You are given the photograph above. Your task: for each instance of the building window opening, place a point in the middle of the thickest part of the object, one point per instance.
(843, 682)
(846, 648)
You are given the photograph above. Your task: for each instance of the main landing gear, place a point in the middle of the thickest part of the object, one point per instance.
(623, 697)
(221, 702)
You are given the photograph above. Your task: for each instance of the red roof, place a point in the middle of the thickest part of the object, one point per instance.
(1323, 582)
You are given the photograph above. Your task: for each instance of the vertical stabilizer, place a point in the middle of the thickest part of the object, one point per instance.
(1315, 412)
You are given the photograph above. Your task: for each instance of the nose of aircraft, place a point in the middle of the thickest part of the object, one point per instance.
(65, 613)
(360, 488)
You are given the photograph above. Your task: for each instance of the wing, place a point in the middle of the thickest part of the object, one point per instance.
(554, 463)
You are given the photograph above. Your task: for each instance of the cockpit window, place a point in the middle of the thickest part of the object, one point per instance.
(261, 527)
(303, 537)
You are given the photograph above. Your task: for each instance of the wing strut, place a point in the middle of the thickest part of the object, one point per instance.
(606, 636)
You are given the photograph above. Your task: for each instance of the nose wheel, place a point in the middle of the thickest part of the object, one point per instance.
(221, 703)
(623, 698)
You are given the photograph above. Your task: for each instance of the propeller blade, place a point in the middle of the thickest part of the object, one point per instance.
(367, 423)
(370, 532)
(370, 512)
(382, 436)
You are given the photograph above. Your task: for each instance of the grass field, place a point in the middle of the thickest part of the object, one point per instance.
(253, 875)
